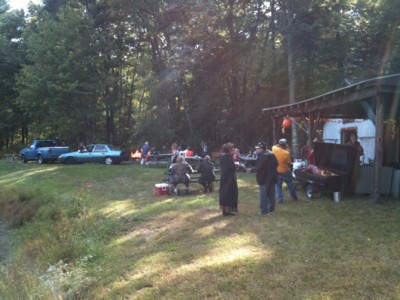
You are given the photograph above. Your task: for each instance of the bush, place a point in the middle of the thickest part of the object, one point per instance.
(18, 208)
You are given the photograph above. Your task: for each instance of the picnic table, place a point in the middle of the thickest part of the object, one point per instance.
(194, 162)
(156, 160)
(247, 161)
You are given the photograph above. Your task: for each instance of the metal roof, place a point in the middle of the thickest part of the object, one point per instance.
(353, 101)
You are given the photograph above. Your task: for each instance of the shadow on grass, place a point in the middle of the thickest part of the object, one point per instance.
(180, 247)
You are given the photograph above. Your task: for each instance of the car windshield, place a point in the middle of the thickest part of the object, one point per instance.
(112, 147)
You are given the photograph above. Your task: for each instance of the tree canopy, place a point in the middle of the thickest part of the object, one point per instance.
(183, 71)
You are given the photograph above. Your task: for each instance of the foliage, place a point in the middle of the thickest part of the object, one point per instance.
(180, 71)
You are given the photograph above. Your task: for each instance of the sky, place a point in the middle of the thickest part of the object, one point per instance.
(18, 4)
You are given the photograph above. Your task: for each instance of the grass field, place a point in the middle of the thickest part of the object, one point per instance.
(98, 232)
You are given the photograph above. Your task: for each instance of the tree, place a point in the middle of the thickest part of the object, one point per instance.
(12, 56)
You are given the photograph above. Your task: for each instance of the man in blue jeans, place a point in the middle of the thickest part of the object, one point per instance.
(266, 168)
(284, 172)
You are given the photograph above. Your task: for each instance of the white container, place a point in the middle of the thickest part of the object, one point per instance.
(337, 196)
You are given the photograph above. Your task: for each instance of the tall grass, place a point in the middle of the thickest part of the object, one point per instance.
(99, 232)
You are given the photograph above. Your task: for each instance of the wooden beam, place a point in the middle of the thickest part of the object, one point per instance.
(310, 129)
(376, 193)
(274, 129)
(369, 111)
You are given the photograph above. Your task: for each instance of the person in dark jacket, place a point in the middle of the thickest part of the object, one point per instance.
(206, 169)
(228, 188)
(266, 168)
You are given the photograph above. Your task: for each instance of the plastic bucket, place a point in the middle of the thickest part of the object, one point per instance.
(161, 189)
(337, 197)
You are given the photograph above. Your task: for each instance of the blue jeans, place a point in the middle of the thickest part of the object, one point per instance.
(267, 198)
(288, 179)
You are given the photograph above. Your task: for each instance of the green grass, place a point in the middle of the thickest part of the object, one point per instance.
(99, 232)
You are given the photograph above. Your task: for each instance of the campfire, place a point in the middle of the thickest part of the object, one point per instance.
(136, 155)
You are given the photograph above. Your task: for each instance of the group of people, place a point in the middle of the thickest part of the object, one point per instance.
(183, 150)
(180, 172)
(272, 168)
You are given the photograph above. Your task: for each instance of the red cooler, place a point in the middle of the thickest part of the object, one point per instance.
(161, 189)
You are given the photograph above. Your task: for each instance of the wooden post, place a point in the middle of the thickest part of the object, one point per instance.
(376, 192)
(310, 129)
(274, 135)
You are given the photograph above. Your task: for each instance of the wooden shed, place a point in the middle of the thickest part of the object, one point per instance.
(376, 99)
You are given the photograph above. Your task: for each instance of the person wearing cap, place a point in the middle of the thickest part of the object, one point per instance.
(266, 168)
(284, 173)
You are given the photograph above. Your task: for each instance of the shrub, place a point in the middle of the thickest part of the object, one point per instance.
(18, 208)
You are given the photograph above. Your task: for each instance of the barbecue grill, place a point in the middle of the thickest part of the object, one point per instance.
(337, 163)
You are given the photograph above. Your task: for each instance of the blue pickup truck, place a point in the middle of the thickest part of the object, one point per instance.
(42, 151)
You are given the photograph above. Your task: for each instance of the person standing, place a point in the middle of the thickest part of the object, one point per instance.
(307, 154)
(174, 149)
(284, 173)
(204, 148)
(356, 144)
(266, 168)
(228, 189)
(145, 151)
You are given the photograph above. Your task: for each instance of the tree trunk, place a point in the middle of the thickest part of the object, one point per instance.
(292, 84)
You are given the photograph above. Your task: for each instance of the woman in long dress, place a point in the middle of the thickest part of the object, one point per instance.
(228, 189)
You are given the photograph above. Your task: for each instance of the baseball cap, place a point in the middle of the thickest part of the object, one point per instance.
(261, 145)
(282, 142)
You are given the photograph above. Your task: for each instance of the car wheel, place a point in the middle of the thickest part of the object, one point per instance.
(23, 159)
(70, 160)
(108, 160)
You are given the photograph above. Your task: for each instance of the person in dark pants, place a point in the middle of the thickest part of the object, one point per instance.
(206, 169)
(266, 168)
(228, 188)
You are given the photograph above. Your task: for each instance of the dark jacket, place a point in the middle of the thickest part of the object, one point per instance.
(228, 189)
(266, 168)
(206, 169)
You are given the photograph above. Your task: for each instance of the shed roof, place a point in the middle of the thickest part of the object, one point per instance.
(353, 101)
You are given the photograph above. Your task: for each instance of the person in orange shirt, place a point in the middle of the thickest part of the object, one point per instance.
(284, 172)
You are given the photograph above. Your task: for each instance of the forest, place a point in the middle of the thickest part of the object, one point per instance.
(185, 71)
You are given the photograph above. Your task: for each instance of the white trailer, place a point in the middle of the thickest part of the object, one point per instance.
(338, 131)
